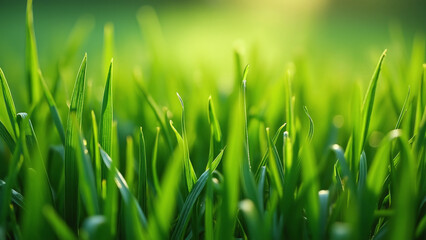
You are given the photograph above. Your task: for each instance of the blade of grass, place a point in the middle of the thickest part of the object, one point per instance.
(10, 105)
(266, 154)
(87, 188)
(191, 178)
(53, 109)
(71, 172)
(154, 163)
(155, 109)
(244, 95)
(189, 204)
(130, 163)
(16, 197)
(96, 155)
(58, 225)
(232, 164)
(142, 182)
(134, 216)
(14, 167)
(107, 114)
(275, 166)
(311, 125)
(367, 106)
(403, 110)
(32, 65)
(163, 210)
(7, 137)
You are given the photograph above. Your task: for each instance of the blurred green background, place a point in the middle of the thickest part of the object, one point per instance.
(188, 47)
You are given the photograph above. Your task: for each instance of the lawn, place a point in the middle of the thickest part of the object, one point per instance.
(212, 120)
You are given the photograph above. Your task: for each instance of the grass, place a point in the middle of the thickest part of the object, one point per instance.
(249, 163)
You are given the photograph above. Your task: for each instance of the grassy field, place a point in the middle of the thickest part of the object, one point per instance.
(137, 123)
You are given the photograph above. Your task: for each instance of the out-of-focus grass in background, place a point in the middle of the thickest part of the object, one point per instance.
(198, 39)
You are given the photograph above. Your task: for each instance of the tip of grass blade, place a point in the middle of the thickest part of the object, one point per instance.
(180, 99)
(245, 73)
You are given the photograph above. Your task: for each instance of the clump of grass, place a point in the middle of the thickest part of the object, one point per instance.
(229, 172)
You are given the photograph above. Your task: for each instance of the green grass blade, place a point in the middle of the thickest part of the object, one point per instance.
(86, 177)
(266, 154)
(374, 184)
(32, 66)
(95, 155)
(275, 166)
(214, 122)
(107, 114)
(246, 137)
(155, 109)
(58, 225)
(10, 105)
(163, 210)
(17, 198)
(133, 212)
(14, 167)
(346, 173)
(403, 110)
(71, 172)
(231, 168)
(190, 201)
(154, 163)
(143, 174)
(7, 137)
(367, 106)
(191, 178)
(362, 172)
(53, 109)
(130, 163)
(311, 125)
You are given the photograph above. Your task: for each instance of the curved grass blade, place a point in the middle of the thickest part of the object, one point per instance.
(96, 155)
(362, 172)
(367, 106)
(266, 154)
(14, 167)
(346, 175)
(107, 114)
(17, 198)
(374, 184)
(190, 201)
(311, 125)
(10, 105)
(190, 176)
(403, 110)
(155, 109)
(142, 182)
(7, 137)
(214, 122)
(134, 216)
(53, 109)
(86, 177)
(71, 172)
(275, 166)
(154, 163)
(32, 65)
(163, 210)
(31, 143)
